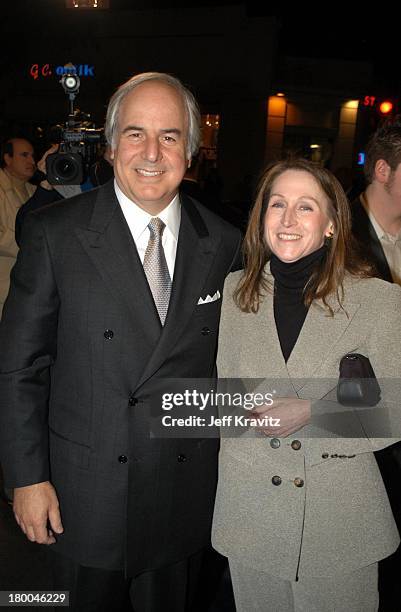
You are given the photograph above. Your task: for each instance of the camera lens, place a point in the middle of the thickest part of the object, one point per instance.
(65, 169)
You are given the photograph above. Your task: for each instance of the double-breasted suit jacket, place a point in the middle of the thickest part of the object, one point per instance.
(82, 350)
(328, 511)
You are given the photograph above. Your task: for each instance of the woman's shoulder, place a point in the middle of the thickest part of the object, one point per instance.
(230, 286)
(232, 280)
(362, 289)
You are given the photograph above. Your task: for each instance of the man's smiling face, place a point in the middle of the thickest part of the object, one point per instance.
(150, 157)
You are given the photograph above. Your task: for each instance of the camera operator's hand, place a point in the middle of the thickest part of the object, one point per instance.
(42, 166)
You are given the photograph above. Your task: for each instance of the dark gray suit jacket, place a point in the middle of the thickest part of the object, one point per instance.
(81, 353)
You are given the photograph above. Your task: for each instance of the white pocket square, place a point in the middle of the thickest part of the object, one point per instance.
(209, 298)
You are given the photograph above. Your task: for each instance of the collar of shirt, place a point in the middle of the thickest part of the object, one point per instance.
(381, 233)
(138, 221)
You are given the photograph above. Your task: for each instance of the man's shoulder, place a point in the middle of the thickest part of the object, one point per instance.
(361, 225)
(357, 208)
(75, 209)
(5, 183)
(373, 291)
(212, 220)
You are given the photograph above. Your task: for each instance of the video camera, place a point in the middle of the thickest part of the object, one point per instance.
(78, 141)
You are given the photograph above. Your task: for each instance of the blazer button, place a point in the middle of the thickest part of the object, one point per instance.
(275, 443)
(122, 459)
(132, 401)
(181, 458)
(325, 456)
(296, 444)
(205, 331)
(108, 334)
(276, 480)
(298, 482)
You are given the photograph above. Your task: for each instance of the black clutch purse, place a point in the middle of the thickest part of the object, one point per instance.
(357, 385)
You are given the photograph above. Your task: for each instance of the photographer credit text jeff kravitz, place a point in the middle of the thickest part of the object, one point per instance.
(197, 399)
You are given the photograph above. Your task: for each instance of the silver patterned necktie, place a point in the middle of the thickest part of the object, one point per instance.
(156, 270)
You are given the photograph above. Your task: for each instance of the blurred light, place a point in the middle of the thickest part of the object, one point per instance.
(87, 4)
(361, 158)
(351, 104)
(277, 106)
(315, 146)
(386, 107)
(280, 94)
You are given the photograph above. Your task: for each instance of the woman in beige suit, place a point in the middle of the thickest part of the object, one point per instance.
(301, 510)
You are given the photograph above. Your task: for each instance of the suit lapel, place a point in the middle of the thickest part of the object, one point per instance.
(196, 251)
(109, 244)
(366, 234)
(319, 334)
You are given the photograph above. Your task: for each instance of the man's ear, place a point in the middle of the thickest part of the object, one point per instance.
(382, 171)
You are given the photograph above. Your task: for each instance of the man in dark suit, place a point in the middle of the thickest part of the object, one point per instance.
(115, 290)
(377, 211)
(376, 223)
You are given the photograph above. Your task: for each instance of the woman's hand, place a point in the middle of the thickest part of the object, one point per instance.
(284, 417)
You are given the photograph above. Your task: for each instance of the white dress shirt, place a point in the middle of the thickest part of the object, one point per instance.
(138, 221)
(391, 244)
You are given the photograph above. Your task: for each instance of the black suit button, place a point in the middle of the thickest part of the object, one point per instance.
(296, 444)
(108, 334)
(276, 480)
(181, 458)
(275, 443)
(122, 459)
(206, 331)
(325, 456)
(298, 482)
(132, 401)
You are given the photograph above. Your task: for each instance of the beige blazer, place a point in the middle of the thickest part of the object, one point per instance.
(10, 202)
(339, 519)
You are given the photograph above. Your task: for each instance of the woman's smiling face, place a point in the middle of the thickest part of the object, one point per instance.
(296, 220)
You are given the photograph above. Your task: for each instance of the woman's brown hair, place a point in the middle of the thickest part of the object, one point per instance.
(342, 254)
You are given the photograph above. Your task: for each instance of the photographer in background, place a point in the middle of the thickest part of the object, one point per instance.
(99, 173)
(17, 168)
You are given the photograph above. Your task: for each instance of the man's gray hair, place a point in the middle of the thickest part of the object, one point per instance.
(191, 106)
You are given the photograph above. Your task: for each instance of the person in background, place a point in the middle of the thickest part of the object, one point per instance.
(17, 168)
(376, 213)
(109, 298)
(376, 223)
(302, 512)
(100, 172)
(190, 183)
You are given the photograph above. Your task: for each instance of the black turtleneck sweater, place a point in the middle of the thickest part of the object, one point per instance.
(290, 311)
